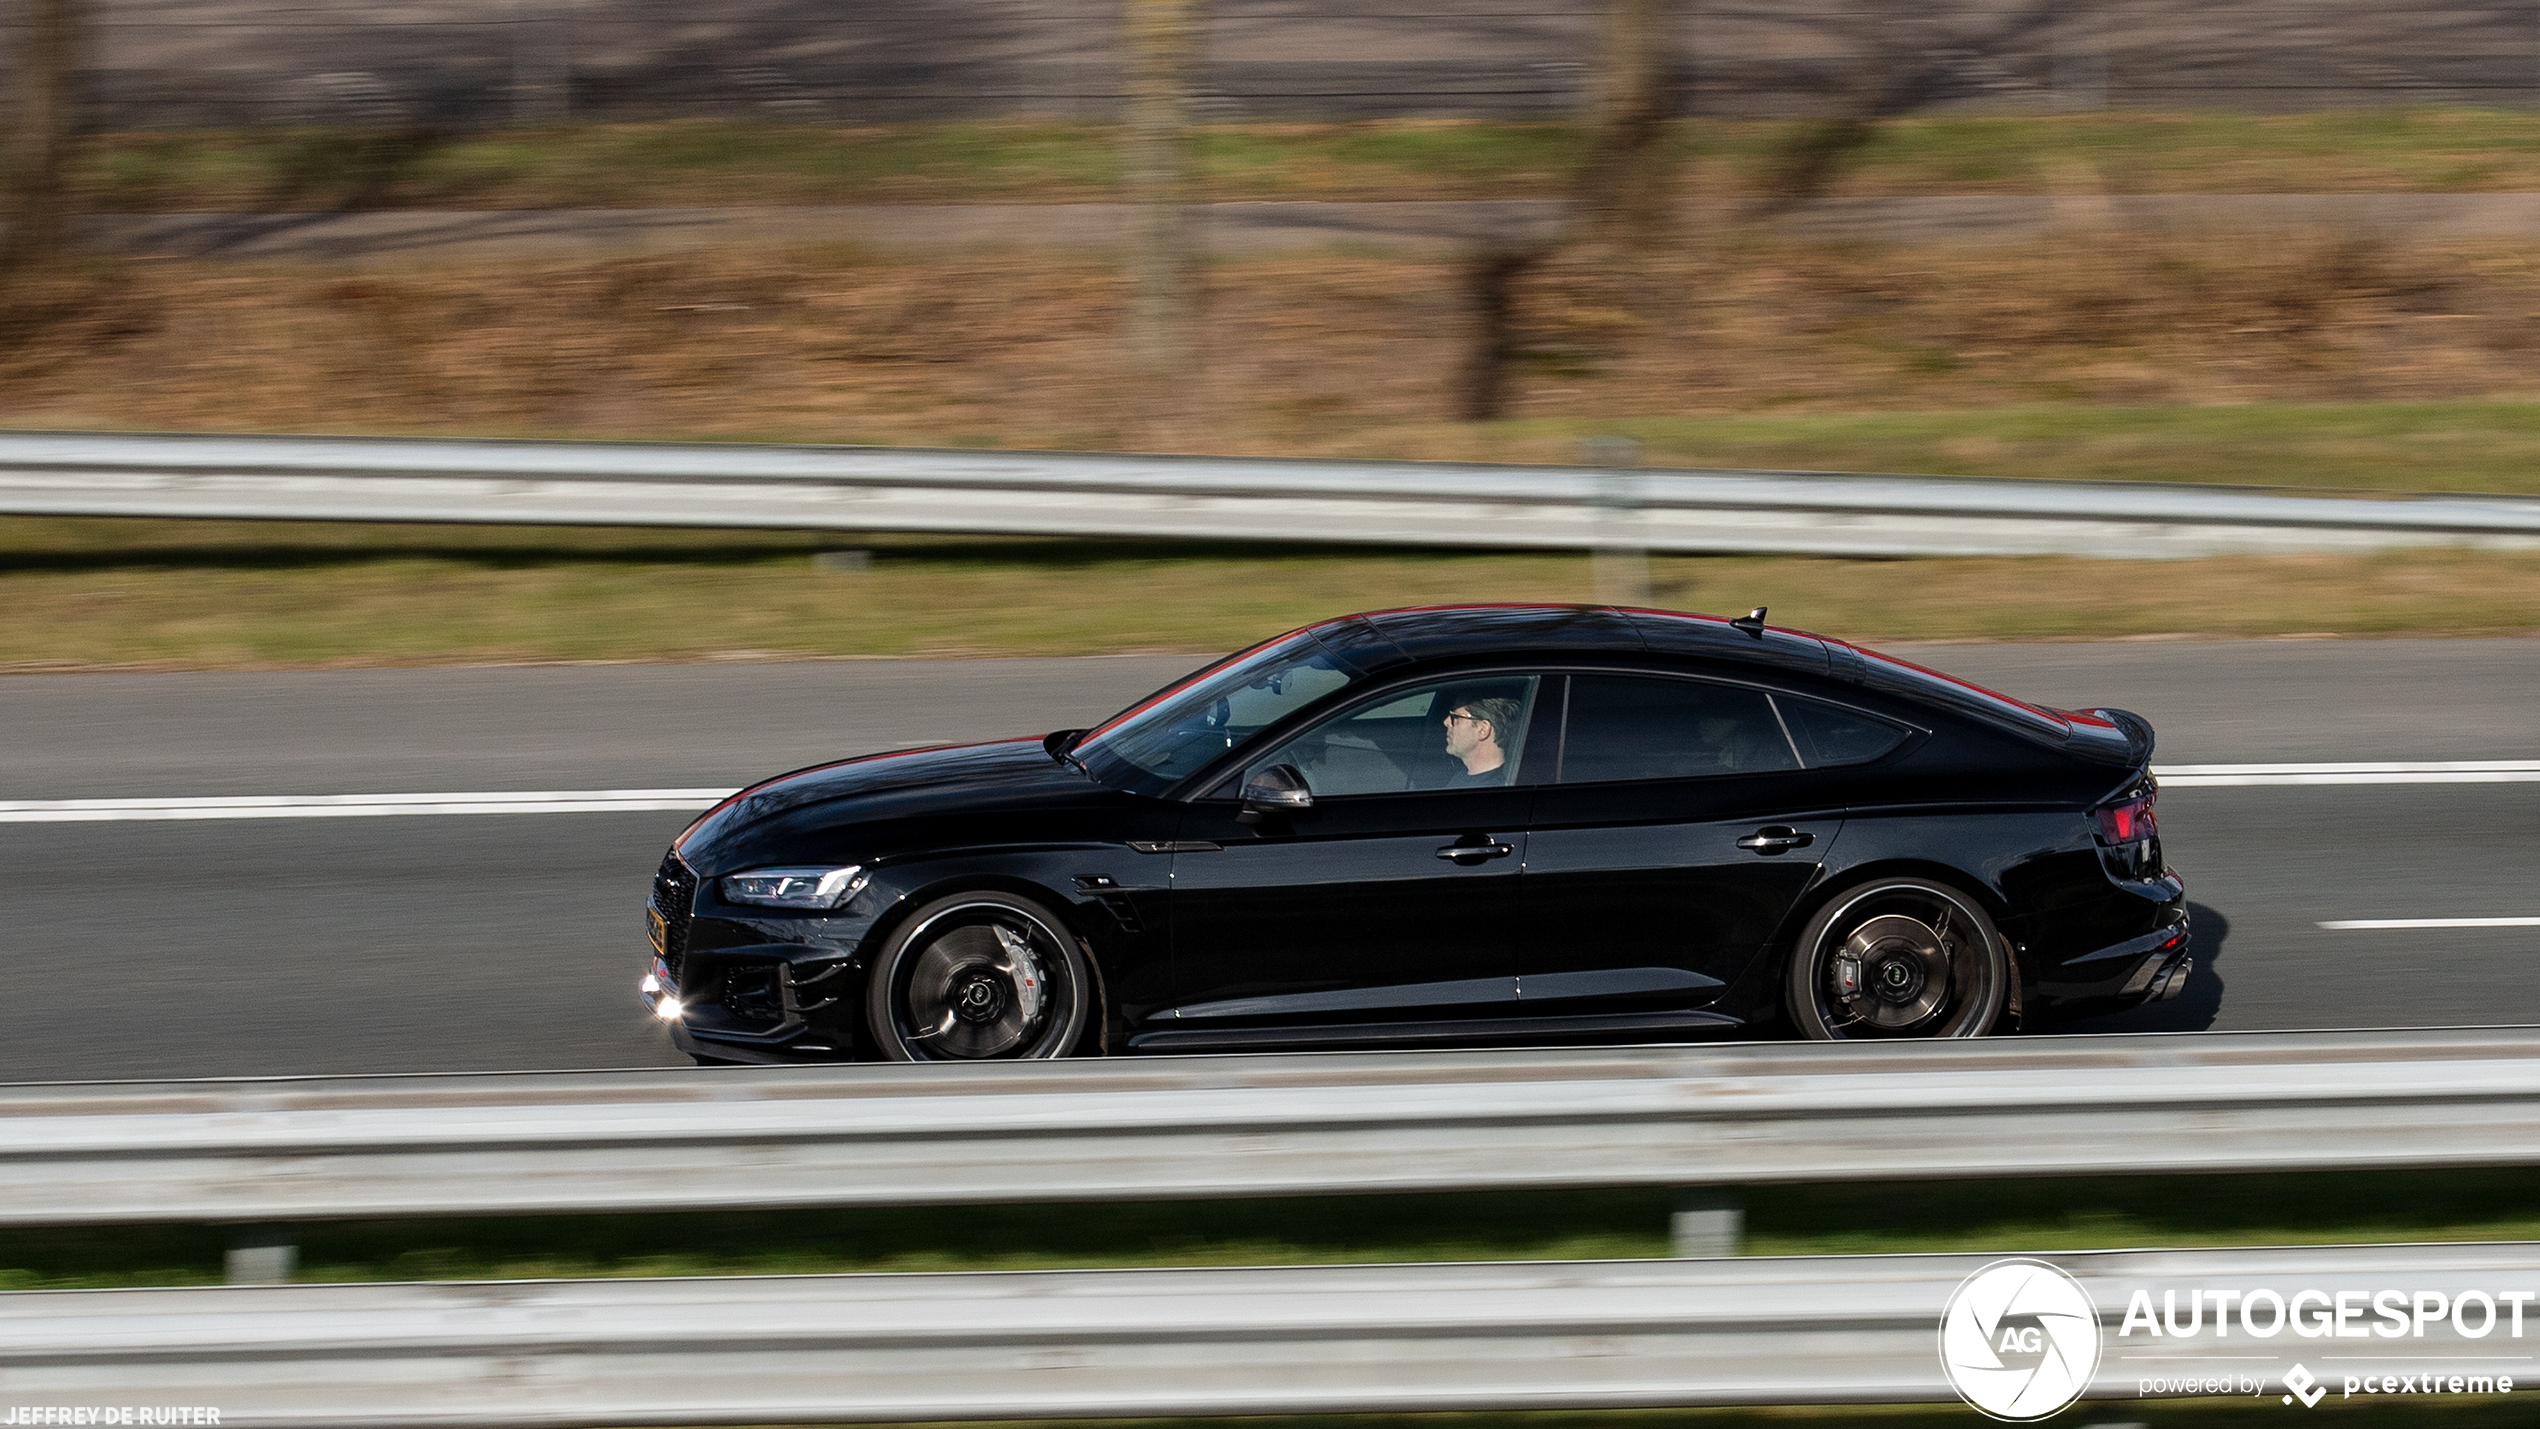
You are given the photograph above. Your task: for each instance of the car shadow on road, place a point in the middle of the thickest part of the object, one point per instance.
(2195, 1008)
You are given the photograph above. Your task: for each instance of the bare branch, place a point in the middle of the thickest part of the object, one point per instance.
(1909, 60)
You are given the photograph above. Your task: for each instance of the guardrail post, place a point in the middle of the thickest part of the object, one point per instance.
(261, 1255)
(1621, 561)
(1708, 1221)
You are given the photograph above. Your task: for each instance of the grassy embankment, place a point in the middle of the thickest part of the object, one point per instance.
(2305, 360)
(242, 595)
(2447, 1413)
(1989, 1217)
(234, 596)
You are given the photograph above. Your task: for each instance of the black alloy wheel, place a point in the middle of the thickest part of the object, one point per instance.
(979, 977)
(1898, 957)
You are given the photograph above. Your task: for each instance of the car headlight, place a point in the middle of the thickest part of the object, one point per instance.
(794, 887)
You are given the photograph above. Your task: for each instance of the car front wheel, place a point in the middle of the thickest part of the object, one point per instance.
(979, 977)
(1898, 957)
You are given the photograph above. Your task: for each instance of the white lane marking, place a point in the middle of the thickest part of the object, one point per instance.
(2441, 771)
(615, 801)
(2346, 925)
(356, 806)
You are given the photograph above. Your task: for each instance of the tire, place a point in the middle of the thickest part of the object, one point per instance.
(979, 977)
(1923, 961)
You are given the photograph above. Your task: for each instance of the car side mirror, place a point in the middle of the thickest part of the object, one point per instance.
(1279, 789)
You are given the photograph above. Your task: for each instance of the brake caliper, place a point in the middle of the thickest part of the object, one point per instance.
(1846, 976)
(1023, 971)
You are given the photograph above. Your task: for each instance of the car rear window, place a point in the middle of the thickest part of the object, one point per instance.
(1903, 677)
(1829, 734)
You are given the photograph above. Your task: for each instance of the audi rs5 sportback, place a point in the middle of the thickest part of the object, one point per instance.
(1478, 825)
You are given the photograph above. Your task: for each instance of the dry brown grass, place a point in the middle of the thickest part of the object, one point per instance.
(1307, 354)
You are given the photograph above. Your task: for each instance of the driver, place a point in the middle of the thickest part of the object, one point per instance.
(1477, 732)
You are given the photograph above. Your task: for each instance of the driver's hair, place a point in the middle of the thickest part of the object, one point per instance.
(1498, 710)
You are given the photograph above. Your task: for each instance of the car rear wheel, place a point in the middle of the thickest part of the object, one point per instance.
(979, 977)
(1898, 957)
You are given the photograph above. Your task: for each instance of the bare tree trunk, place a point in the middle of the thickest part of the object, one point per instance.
(1490, 288)
(47, 112)
(1623, 184)
(1621, 195)
(1160, 40)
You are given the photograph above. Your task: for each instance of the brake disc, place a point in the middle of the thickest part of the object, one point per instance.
(981, 991)
(1893, 971)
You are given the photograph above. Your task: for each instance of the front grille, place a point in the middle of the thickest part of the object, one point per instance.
(675, 899)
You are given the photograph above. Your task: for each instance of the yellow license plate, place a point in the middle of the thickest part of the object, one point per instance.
(658, 931)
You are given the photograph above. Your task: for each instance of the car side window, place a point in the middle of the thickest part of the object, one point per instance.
(1467, 733)
(1649, 727)
(1830, 734)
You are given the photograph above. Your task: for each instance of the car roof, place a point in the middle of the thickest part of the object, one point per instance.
(1380, 638)
(1431, 632)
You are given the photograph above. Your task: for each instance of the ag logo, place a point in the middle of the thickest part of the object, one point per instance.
(2020, 1340)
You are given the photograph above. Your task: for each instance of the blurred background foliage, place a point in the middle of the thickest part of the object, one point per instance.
(2008, 240)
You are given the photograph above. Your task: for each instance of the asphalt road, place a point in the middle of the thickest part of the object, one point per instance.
(156, 949)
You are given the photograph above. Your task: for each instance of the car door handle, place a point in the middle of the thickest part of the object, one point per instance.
(1458, 853)
(1776, 839)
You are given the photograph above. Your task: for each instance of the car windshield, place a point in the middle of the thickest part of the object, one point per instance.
(1169, 736)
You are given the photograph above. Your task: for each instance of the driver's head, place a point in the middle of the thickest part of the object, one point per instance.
(1478, 723)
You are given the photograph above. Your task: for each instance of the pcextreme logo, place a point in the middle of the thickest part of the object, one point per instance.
(2020, 1340)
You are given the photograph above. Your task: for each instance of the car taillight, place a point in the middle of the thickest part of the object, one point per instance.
(2125, 823)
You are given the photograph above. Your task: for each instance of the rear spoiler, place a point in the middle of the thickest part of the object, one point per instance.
(2138, 731)
(2137, 734)
(2109, 737)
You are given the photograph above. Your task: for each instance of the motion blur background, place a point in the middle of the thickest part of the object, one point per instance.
(493, 63)
(2260, 243)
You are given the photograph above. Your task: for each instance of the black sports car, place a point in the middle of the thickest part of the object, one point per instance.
(1442, 827)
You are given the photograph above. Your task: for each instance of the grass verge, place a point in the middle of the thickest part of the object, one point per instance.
(2333, 447)
(2449, 1413)
(717, 162)
(1978, 1217)
(238, 595)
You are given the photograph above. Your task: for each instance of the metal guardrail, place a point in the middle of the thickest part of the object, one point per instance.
(1087, 1344)
(278, 1150)
(1056, 493)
